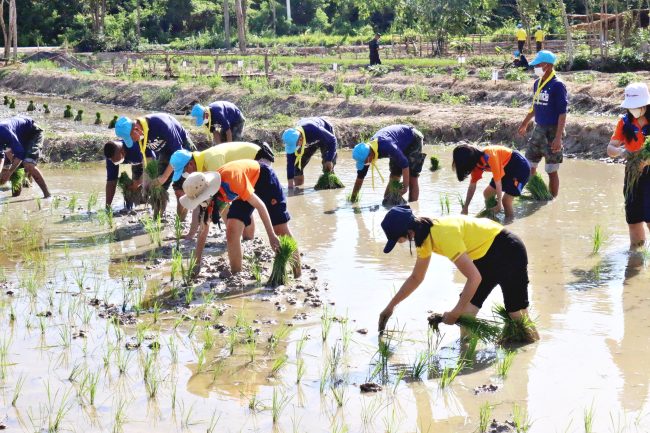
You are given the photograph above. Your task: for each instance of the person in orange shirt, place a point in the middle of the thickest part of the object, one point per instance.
(510, 172)
(628, 139)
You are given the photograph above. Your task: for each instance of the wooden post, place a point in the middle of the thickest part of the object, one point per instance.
(216, 64)
(266, 64)
(480, 44)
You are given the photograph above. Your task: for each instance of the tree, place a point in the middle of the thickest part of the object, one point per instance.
(9, 29)
(569, 39)
(226, 23)
(241, 24)
(5, 33)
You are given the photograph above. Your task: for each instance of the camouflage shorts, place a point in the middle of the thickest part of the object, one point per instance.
(414, 155)
(539, 145)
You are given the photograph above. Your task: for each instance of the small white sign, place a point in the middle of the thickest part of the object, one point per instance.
(495, 74)
(335, 67)
(240, 64)
(461, 60)
(184, 64)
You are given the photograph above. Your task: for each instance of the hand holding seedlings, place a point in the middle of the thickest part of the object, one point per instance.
(383, 319)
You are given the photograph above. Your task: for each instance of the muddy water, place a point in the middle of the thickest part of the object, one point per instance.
(591, 312)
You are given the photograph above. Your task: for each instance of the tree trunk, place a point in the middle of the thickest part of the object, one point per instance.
(241, 26)
(569, 39)
(137, 21)
(590, 20)
(606, 32)
(275, 18)
(5, 33)
(13, 27)
(618, 27)
(226, 23)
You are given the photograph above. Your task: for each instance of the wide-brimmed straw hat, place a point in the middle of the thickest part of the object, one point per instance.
(199, 187)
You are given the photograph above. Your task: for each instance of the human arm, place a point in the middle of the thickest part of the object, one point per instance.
(291, 169)
(556, 145)
(467, 267)
(229, 135)
(406, 179)
(412, 282)
(524, 124)
(615, 148)
(111, 186)
(499, 197)
(200, 243)
(471, 189)
(194, 225)
(259, 205)
(165, 175)
(11, 168)
(356, 188)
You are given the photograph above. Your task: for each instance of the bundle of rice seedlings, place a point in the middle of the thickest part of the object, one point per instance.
(6, 100)
(67, 114)
(80, 115)
(46, 109)
(394, 195)
(98, 118)
(285, 258)
(435, 163)
(328, 180)
(634, 167)
(112, 123)
(515, 330)
(17, 179)
(487, 212)
(31, 106)
(155, 194)
(538, 189)
(484, 330)
(131, 197)
(12, 104)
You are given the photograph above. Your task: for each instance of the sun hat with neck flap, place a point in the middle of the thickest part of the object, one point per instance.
(198, 188)
(396, 224)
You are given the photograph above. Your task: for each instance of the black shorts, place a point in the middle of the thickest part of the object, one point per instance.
(310, 150)
(637, 203)
(269, 190)
(505, 264)
(413, 153)
(520, 46)
(517, 172)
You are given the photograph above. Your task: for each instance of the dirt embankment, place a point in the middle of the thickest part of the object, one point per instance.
(270, 111)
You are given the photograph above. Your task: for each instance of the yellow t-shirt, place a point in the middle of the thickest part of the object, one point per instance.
(452, 236)
(521, 34)
(539, 36)
(213, 158)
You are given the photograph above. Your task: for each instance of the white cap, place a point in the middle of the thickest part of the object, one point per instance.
(636, 96)
(199, 187)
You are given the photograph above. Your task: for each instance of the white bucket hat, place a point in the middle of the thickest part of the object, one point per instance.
(636, 96)
(199, 187)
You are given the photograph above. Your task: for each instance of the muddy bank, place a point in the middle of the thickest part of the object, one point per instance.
(271, 110)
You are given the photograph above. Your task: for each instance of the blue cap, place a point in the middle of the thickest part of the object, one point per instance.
(360, 154)
(396, 223)
(123, 128)
(290, 138)
(544, 56)
(198, 111)
(178, 161)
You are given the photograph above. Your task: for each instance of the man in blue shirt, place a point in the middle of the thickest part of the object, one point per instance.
(224, 120)
(403, 145)
(22, 141)
(301, 142)
(117, 153)
(162, 134)
(549, 108)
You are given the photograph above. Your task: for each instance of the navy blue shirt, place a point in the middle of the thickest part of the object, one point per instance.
(132, 156)
(166, 135)
(317, 130)
(225, 114)
(15, 133)
(392, 142)
(552, 101)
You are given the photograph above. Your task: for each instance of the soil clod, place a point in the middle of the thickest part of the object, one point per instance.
(486, 389)
(370, 387)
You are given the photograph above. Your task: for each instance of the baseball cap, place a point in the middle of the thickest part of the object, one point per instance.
(396, 223)
(544, 56)
(360, 154)
(178, 161)
(123, 128)
(290, 138)
(198, 112)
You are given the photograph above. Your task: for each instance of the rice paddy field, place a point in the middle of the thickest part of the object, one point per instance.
(88, 342)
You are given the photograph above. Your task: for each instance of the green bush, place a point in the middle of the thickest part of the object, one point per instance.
(516, 74)
(483, 61)
(584, 77)
(460, 74)
(626, 78)
(484, 75)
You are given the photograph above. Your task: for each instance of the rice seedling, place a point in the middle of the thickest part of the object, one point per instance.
(80, 116)
(597, 239)
(300, 344)
(538, 189)
(12, 104)
(328, 180)
(487, 211)
(326, 322)
(92, 201)
(255, 267)
(393, 195)
(435, 163)
(520, 419)
(189, 295)
(370, 408)
(504, 364)
(285, 257)
(151, 383)
(155, 194)
(484, 417)
(187, 269)
(212, 425)
(449, 374)
(251, 348)
(178, 231)
(153, 227)
(589, 419)
(200, 360)
(486, 331)
(72, 204)
(46, 109)
(119, 417)
(65, 336)
(112, 122)
(278, 365)
(324, 376)
(57, 408)
(17, 179)
(279, 402)
(18, 389)
(186, 416)
(353, 198)
(419, 365)
(338, 392)
(300, 369)
(90, 382)
(122, 360)
(515, 330)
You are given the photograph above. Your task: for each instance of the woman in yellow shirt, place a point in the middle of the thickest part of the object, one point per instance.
(483, 251)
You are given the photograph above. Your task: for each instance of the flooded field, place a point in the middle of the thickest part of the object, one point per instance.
(237, 362)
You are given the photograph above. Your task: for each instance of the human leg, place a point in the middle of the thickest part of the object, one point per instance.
(234, 231)
(36, 174)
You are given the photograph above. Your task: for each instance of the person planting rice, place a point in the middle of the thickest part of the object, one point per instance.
(403, 145)
(185, 163)
(510, 172)
(117, 153)
(549, 108)
(248, 186)
(301, 142)
(162, 134)
(22, 139)
(629, 141)
(222, 118)
(483, 251)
